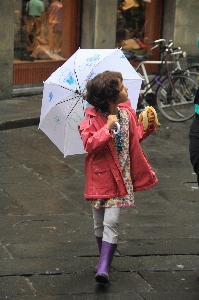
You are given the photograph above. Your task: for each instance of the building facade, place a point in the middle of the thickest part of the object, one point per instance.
(34, 42)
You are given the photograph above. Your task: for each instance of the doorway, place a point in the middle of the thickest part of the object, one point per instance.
(138, 23)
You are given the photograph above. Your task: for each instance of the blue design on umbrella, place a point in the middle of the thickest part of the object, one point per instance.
(90, 62)
(123, 56)
(70, 79)
(87, 104)
(50, 96)
(91, 75)
(57, 120)
(67, 77)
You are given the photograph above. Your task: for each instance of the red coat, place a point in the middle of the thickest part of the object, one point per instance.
(102, 170)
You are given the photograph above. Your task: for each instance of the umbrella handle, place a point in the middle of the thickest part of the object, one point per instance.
(116, 131)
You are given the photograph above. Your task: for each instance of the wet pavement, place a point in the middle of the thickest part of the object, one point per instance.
(47, 244)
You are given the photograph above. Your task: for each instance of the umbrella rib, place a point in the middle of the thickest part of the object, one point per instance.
(77, 82)
(62, 101)
(72, 108)
(69, 99)
(76, 92)
(65, 88)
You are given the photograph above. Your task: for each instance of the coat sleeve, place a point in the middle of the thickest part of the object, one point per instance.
(143, 134)
(94, 140)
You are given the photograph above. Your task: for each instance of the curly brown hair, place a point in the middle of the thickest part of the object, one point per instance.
(102, 89)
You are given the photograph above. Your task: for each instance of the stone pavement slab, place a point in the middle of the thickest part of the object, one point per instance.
(47, 265)
(20, 112)
(145, 285)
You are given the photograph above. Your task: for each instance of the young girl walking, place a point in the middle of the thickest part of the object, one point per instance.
(115, 166)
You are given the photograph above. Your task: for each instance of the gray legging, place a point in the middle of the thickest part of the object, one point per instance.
(106, 221)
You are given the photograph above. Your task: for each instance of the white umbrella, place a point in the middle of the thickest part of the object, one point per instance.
(63, 104)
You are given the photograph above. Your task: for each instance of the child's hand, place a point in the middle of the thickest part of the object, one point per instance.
(149, 116)
(111, 121)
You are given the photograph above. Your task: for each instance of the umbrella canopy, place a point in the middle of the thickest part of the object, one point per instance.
(63, 104)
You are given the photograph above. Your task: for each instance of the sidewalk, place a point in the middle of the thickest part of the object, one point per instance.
(47, 245)
(20, 112)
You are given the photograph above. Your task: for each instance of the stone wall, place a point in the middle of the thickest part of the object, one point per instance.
(181, 23)
(6, 48)
(186, 32)
(168, 20)
(99, 24)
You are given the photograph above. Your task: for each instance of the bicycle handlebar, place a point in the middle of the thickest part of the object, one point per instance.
(167, 47)
(156, 41)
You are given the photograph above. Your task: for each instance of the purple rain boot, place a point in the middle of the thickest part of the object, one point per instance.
(99, 243)
(106, 256)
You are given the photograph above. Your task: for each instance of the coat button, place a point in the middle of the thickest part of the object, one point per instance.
(116, 175)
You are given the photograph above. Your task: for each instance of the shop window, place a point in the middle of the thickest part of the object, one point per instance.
(38, 30)
(138, 23)
(46, 33)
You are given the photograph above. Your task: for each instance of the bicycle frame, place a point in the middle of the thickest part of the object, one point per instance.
(150, 83)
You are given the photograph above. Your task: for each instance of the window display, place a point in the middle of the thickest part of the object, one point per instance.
(131, 25)
(38, 30)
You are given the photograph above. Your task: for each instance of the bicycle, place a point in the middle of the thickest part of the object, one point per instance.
(176, 88)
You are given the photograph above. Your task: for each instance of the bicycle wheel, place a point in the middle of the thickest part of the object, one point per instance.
(193, 68)
(195, 76)
(175, 99)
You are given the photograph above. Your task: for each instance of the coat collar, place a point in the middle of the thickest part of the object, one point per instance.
(90, 110)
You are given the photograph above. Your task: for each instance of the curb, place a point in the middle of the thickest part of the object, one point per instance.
(19, 123)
